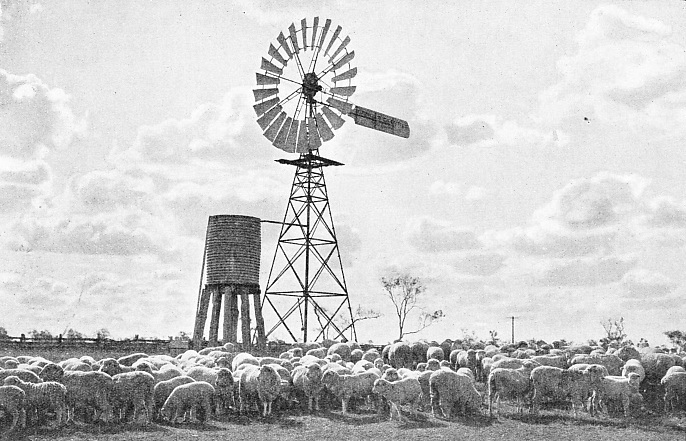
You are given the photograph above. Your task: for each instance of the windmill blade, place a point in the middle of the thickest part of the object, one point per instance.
(323, 127)
(335, 120)
(325, 30)
(339, 105)
(270, 67)
(379, 121)
(333, 39)
(266, 80)
(346, 75)
(269, 116)
(280, 140)
(294, 38)
(302, 146)
(262, 107)
(261, 94)
(346, 59)
(344, 91)
(314, 142)
(284, 44)
(340, 48)
(273, 130)
(274, 53)
(303, 24)
(314, 32)
(292, 138)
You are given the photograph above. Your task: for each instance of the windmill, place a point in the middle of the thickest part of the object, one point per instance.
(304, 89)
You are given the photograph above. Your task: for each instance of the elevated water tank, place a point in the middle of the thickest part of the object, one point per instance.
(233, 250)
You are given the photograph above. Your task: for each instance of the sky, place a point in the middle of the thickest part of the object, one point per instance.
(543, 178)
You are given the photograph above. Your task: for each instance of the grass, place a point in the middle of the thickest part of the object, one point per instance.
(550, 424)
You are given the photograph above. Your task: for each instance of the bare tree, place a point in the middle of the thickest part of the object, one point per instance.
(404, 290)
(615, 332)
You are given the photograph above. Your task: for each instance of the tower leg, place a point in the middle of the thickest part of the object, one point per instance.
(216, 310)
(245, 316)
(201, 318)
(259, 319)
(230, 313)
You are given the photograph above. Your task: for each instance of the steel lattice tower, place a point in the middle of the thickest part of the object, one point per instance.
(307, 273)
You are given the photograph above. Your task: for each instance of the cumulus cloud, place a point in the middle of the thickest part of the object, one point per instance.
(479, 264)
(627, 71)
(35, 117)
(644, 284)
(451, 188)
(431, 236)
(584, 271)
(491, 130)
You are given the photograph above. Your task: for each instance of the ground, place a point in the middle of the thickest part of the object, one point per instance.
(552, 424)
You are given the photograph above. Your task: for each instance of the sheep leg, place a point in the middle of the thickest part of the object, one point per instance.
(344, 405)
(264, 408)
(626, 401)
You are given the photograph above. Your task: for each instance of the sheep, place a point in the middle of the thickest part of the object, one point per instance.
(407, 390)
(202, 373)
(423, 378)
(634, 365)
(656, 366)
(504, 382)
(341, 349)
(13, 401)
(346, 386)
(371, 355)
(262, 381)
(559, 361)
(51, 372)
(88, 389)
(243, 358)
(614, 387)
(557, 383)
(448, 388)
(435, 352)
(627, 353)
(23, 374)
(41, 397)
(167, 372)
(189, 397)
(362, 366)
(224, 386)
(433, 365)
(356, 355)
(135, 388)
(419, 350)
(467, 372)
(308, 380)
(675, 389)
(163, 389)
(400, 355)
(128, 360)
(466, 359)
(611, 362)
(111, 367)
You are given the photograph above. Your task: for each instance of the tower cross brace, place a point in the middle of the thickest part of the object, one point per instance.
(306, 275)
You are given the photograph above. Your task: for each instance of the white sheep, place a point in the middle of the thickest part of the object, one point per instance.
(243, 358)
(556, 383)
(185, 400)
(41, 397)
(675, 389)
(616, 388)
(88, 390)
(135, 388)
(510, 383)
(13, 401)
(448, 389)
(308, 380)
(404, 391)
(346, 386)
(261, 381)
(163, 389)
(635, 366)
(23, 374)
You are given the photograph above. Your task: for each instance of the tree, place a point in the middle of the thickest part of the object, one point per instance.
(3, 333)
(494, 340)
(102, 334)
(40, 335)
(404, 291)
(678, 338)
(615, 332)
(343, 322)
(73, 335)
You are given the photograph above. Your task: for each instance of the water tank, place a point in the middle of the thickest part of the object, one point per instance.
(233, 250)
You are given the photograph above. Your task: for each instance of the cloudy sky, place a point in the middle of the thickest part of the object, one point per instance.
(544, 177)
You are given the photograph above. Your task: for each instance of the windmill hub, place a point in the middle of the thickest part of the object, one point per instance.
(311, 87)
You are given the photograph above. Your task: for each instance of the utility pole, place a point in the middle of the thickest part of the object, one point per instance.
(512, 317)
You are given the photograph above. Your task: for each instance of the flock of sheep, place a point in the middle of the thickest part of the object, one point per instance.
(444, 378)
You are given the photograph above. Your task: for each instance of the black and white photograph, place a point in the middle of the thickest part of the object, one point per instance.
(288, 220)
